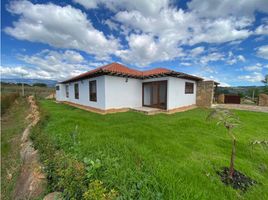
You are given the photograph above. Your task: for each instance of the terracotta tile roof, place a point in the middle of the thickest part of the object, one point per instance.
(155, 71)
(121, 70)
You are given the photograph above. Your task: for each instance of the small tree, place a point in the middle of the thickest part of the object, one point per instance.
(229, 120)
(265, 81)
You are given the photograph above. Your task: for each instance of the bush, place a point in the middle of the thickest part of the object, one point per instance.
(65, 173)
(96, 190)
(7, 100)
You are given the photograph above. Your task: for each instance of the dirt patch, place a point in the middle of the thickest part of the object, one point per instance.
(239, 181)
(31, 182)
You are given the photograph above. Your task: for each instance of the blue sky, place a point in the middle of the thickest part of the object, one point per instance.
(213, 39)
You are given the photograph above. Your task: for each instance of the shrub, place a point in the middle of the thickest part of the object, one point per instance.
(65, 173)
(70, 176)
(96, 191)
(7, 100)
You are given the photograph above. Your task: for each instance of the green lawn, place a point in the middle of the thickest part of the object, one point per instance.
(163, 156)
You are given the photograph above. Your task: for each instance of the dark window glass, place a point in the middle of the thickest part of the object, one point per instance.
(189, 88)
(57, 87)
(67, 91)
(92, 90)
(76, 91)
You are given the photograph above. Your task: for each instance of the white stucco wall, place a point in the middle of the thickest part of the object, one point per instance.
(60, 93)
(84, 93)
(176, 93)
(176, 96)
(120, 93)
(116, 92)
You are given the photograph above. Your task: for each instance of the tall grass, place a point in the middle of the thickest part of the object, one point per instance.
(39, 92)
(7, 100)
(12, 124)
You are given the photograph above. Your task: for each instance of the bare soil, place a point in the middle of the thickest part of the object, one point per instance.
(239, 181)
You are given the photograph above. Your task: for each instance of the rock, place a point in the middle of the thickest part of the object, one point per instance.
(53, 196)
(263, 100)
(31, 182)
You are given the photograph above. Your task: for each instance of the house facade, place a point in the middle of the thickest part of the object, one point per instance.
(115, 86)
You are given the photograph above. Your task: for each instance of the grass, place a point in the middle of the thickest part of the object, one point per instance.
(162, 156)
(39, 92)
(7, 100)
(12, 125)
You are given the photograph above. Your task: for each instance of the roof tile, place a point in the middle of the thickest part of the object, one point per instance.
(116, 68)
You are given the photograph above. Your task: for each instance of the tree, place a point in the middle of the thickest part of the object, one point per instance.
(265, 81)
(40, 84)
(229, 120)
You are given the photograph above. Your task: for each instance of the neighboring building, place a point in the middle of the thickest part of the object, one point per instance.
(116, 86)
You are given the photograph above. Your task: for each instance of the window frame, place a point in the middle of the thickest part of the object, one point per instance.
(67, 93)
(188, 90)
(92, 96)
(76, 93)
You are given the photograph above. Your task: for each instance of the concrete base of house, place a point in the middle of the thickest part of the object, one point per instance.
(148, 110)
(145, 110)
(96, 110)
(181, 109)
(153, 111)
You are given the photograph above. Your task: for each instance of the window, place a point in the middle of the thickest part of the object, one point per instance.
(67, 91)
(57, 87)
(76, 91)
(189, 88)
(92, 90)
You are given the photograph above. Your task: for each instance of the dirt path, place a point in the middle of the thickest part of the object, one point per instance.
(242, 107)
(31, 182)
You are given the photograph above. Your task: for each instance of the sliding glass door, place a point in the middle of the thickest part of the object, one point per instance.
(155, 94)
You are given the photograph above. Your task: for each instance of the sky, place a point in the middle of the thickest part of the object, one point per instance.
(225, 41)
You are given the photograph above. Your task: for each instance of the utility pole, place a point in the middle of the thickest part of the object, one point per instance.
(253, 94)
(22, 85)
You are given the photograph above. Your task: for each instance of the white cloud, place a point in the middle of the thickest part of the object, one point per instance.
(47, 64)
(27, 72)
(178, 27)
(219, 8)
(254, 77)
(220, 30)
(151, 7)
(186, 63)
(256, 67)
(111, 24)
(233, 59)
(144, 49)
(262, 30)
(209, 70)
(211, 77)
(196, 51)
(155, 30)
(89, 4)
(241, 58)
(59, 26)
(212, 57)
(262, 51)
(186, 27)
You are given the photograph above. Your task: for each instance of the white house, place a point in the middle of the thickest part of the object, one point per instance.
(115, 86)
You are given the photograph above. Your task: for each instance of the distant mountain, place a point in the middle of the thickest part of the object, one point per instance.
(242, 90)
(49, 83)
